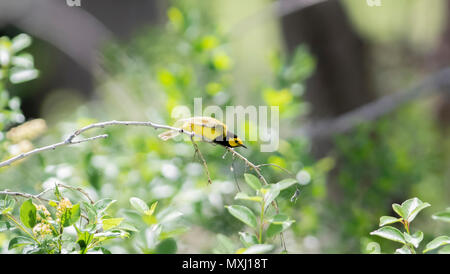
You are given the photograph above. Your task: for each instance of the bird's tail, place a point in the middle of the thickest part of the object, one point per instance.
(168, 134)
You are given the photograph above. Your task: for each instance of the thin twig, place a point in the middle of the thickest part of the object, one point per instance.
(79, 189)
(205, 165)
(50, 147)
(24, 195)
(70, 140)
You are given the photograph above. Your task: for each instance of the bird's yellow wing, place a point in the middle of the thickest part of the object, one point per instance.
(207, 127)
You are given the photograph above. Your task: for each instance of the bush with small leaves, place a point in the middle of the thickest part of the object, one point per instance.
(407, 212)
(44, 227)
(264, 226)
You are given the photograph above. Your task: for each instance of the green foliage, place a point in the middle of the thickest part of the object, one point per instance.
(43, 230)
(407, 211)
(266, 227)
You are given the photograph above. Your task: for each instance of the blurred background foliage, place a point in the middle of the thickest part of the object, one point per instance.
(213, 50)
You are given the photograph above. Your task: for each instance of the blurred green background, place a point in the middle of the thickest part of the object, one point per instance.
(137, 60)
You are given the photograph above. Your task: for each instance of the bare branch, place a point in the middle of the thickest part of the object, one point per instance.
(371, 111)
(70, 140)
(50, 147)
(25, 195)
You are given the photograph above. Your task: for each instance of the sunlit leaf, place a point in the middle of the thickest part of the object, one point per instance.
(442, 216)
(278, 224)
(243, 214)
(248, 239)
(270, 195)
(102, 205)
(390, 233)
(398, 209)
(437, 242)
(139, 205)
(403, 250)
(244, 196)
(414, 239)
(412, 207)
(28, 213)
(286, 183)
(19, 241)
(71, 215)
(386, 220)
(252, 181)
(111, 223)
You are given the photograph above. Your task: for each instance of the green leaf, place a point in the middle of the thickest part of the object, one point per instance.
(19, 241)
(437, 242)
(244, 196)
(139, 205)
(103, 205)
(390, 233)
(414, 239)
(286, 183)
(83, 241)
(103, 250)
(102, 236)
(412, 207)
(386, 220)
(107, 224)
(442, 216)
(278, 224)
(71, 215)
(258, 249)
(128, 227)
(152, 208)
(252, 181)
(243, 214)
(52, 203)
(90, 209)
(167, 246)
(403, 250)
(248, 239)
(398, 209)
(149, 219)
(28, 213)
(270, 194)
(20, 42)
(444, 250)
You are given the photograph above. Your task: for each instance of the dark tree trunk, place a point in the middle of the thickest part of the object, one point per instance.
(341, 81)
(442, 59)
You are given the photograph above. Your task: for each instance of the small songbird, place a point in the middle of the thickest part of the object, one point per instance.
(210, 129)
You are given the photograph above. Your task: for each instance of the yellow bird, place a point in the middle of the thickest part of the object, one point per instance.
(209, 128)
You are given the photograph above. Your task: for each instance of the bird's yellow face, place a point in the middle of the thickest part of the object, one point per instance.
(236, 142)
